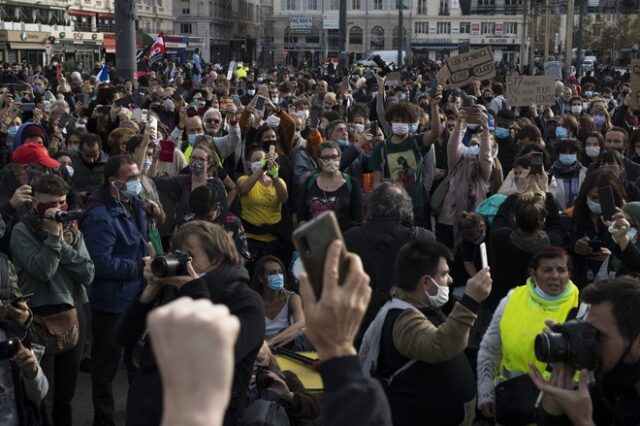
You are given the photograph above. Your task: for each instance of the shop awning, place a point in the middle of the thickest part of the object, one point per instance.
(106, 15)
(109, 45)
(26, 46)
(81, 12)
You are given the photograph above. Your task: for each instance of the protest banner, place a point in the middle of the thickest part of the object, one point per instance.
(634, 71)
(524, 90)
(553, 69)
(460, 69)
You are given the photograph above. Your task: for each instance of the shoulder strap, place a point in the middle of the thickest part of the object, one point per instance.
(347, 180)
(405, 367)
(312, 179)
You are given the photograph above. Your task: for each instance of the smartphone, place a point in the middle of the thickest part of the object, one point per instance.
(433, 88)
(153, 123)
(84, 98)
(192, 111)
(312, 240)
(144, 115)
(236, 100)
(19, 87)
(29, 106)
(374, 128)
(536, 163)
(596, 245)
(314, 116)
(23, 298)
(232, 67)
(64, 120)
(167, 149)
(272, 149)
(104, 109)
(126, 101)
(607, 202)
(260, 103)
(483, 255)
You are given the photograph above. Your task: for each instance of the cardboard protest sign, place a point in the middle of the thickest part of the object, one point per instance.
(634, 71)
(524, 90)
(460, 69)
(553, 69)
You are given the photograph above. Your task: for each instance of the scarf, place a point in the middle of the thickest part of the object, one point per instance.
(565, 170)
(554, 304)
(529, 243)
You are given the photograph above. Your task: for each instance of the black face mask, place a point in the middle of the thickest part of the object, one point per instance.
(488, 98)
(621, 378)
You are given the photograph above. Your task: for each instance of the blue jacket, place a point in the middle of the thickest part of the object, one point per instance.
(117, 243)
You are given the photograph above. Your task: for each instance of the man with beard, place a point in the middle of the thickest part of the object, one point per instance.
(88, 165)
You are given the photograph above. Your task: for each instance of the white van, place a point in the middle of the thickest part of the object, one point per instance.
(389, 56)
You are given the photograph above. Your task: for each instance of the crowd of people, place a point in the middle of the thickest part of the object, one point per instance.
(129, 207)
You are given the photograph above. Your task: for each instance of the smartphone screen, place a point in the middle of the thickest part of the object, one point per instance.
(64, 120)
(434, 87)
(536, 163)
(374, 128)
(260, 103)
(236, 100)
(607, 202)
(314, 116)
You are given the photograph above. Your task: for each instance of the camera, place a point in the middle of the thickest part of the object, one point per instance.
(573, 342)
(263, 380)
(170, 264)
(384, 67)
(9, 348)
(66, 217)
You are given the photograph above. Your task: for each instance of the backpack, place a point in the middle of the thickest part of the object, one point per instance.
(264, 413)
(312, 179)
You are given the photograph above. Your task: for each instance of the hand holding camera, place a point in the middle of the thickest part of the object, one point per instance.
(50, 223)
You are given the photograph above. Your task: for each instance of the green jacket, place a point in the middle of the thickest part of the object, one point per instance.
(55, 272)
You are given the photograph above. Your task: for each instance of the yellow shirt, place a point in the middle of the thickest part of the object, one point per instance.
(261, 207)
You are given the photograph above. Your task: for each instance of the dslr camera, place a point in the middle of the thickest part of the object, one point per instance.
(263, 380)
(170, 264)
(385, 68)
(9, 348)
(66, 217)
(573, 342)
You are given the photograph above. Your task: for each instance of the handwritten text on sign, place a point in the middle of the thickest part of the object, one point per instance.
(527, 90)
(634, 69)
(461, 68)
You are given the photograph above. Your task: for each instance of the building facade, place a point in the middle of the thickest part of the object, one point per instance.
(308, 29)
(224, 30)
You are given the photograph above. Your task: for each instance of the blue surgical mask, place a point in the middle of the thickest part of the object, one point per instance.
(192, 139)
(632, 233)
(540, 292)
(588, 93)
(562, 133)
(598, 119)
(413, 127)
(134, 188)
(275, 282)
(567, 159)
(594, 206)
(502, 133)
(12, 131)
(38, 90)
(343, 143)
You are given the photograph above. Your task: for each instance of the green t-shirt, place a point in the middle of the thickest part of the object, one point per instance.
(402, 165)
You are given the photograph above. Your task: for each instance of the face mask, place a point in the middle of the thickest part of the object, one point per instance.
(502, 133)
(588, 94)
(297, 134)
(540, 292)
(473, 126)
(343, 143)
(598, 120)
(134, 188)
(576, 109)
(562, 133)
(402, 96)
(592, 151)
(251, 92)
(632, 233)
(594, 206)
(275, 100)
(168, 105)
(567, 159)
(487, 98)
(275, 282)
(400, 129)
(70, 170)
(146, 164)
(413, 127)
(197, 167)
(272, 121)
(330, 166)
(43, 207)
(472, 152)
(260, 79)
(256, 165)
(441, 297)
(38, 90)
(607, 98)
(12, 131)
(304, 114)
(192, 138)
(359, 127)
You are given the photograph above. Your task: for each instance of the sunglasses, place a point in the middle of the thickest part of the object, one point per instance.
(211, 121)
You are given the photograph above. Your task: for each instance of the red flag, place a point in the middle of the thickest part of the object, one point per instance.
(158, 50)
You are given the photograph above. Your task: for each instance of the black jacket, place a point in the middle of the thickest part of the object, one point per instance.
(228, 285)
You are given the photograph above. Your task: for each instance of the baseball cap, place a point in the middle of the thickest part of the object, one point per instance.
(32, 152)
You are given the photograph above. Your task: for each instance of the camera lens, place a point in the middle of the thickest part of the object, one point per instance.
(165, 266)
(551, 347)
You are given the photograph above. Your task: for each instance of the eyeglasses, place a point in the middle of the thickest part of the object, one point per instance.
(330, 157)
(212, 120)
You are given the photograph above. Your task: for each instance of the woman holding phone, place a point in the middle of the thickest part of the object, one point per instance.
(592, 241)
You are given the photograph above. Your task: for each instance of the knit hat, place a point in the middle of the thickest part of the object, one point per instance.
(32, 152)
(30, 129)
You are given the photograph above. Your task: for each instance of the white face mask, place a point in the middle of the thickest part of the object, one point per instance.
(400, 129)
(256, 165)
(441, 297)
(359, 127)
(304, 114)
(593, 151)
(576, 109)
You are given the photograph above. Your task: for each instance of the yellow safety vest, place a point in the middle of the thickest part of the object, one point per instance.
(523, 319)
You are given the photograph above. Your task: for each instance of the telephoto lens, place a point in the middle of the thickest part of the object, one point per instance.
(263, 380)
